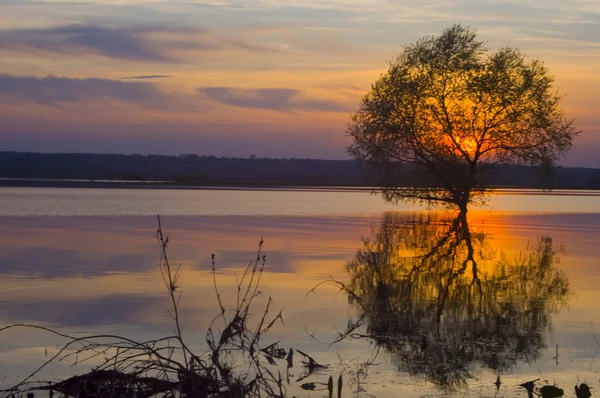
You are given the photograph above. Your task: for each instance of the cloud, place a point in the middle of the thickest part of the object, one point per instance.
(138, 43)
(52, 89)
(146, 77)
(125, 43)
(279, 99)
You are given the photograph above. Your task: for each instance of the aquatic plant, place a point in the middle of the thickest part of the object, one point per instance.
(235, 364)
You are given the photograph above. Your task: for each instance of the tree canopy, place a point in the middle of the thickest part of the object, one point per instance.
(448, 109)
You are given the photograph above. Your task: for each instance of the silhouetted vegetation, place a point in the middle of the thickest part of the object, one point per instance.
(448, 110)
(192, 170)
(235, 365)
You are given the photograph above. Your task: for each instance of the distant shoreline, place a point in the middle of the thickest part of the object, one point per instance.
(209, 172)
(175, 185)
(116, 184)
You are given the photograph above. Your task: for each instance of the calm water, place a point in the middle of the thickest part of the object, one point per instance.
(445, 318)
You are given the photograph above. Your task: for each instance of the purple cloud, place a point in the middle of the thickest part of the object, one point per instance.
(143, 77)
(131, 43)
(137, 43)
(52, 89)
(279, 99)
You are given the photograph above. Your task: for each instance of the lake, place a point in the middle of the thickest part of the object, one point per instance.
(446, 304)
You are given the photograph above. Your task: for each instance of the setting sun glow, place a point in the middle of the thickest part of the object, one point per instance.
(116, 77)
(468, 144)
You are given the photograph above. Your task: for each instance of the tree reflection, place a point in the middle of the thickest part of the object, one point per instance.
(441, 301)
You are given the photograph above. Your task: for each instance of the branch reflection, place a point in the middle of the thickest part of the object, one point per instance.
(442, 302)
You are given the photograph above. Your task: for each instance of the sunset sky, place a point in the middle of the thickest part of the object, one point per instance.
(265, 77)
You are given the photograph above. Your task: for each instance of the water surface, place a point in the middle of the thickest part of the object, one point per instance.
(83, 260)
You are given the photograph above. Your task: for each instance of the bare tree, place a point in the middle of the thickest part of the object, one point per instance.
(448, 110)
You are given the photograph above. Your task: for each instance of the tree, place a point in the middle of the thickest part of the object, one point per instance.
(448, 110)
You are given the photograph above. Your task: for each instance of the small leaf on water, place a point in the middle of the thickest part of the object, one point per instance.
(308, 386)
(551, 392)
(290, 358)
(270, 359)
(582, 391)
(529, 385)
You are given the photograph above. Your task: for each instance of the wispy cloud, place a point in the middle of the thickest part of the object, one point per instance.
(146, 77)
(279, 99)
(52, 89)
(126, 43)
(159, 43)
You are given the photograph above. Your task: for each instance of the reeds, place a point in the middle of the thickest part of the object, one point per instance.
(234, 365)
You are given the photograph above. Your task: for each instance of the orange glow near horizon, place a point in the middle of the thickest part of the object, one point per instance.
(270, 74)
(468, 144)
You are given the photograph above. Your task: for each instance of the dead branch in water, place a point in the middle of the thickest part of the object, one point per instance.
(235, 364)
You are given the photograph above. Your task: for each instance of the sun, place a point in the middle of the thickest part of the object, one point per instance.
(468, 144)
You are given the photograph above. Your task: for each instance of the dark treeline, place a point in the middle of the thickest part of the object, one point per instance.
(210, 170)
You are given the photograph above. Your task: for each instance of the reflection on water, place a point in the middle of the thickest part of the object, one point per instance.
(441, 301)
(82, 274)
